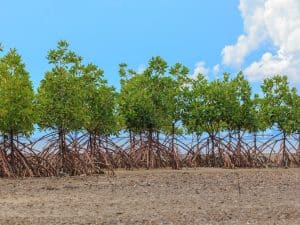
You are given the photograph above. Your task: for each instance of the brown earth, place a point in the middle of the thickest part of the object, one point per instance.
(188, 196)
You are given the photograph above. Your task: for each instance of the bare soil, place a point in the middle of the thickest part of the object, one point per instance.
(187, 196)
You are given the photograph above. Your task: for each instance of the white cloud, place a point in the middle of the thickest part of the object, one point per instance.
(255, 33)
(270, 65)
(275, 21)
(216, 69)
(200, 68)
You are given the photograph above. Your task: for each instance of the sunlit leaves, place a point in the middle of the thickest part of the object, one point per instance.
(60, 97)
(152, 100)
(100, 102)
(17, 113)
(280, 104)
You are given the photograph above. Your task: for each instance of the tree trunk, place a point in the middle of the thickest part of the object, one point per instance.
(158, 151)
(219, 149)
(298, 150)
(131, 141)
(174, 153)
(229, 141)
(141, 141)
(213, 162)
(91, 143)
(207, 153)
(12, 148)
(149, 150)
(62, 149)
(284, 152)
(239, 148)
(173, 137)
(255, 144)
(198, 151)
(255, 148)
(198, 140)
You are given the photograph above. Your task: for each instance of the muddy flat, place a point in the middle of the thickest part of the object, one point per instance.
(187, 196)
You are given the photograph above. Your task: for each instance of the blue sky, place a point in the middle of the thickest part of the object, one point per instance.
(199, 34)
(109, 32)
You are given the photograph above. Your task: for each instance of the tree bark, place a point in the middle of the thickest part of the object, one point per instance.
(212, 137)
(239, 148)
(284, 152)
(207, 152)
(298, 150)
(255, 148)
(93, 142)
(12, 148)
(149, 150)
(173, 147)
(229, 141)
(62, 148)
(158, 162)
(131, 141)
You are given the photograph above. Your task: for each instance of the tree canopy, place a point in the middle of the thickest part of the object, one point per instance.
(280, 104)
(17, 113)
(60, 96)
(151, 100)
(100, 102)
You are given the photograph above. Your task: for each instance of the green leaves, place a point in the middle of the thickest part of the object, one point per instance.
(100, 102)
(136, 105)
(207, 105)
(151, 100)
(62, 57)
(239, 104)
(16, 96)
(156, 67)
(280, 104)
(222, 104)
(60, 97)
(74, 96)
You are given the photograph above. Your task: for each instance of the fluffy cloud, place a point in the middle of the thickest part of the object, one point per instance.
(275, 21)
(253, 15)
(200, 68)
(270, 65)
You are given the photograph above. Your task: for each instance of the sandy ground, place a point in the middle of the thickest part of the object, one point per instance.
(188, 196)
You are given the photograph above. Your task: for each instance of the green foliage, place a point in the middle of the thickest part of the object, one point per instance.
(280, 104)
(135, 104)
(222, 104)
(194, 95)
(60, 97)
(150, 101)
(177, 90)
(100, 102)
(258, 122)
(16, 96)
(239, 113)
(208, 105)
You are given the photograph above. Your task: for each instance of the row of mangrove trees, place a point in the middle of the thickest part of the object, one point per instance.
(160, 117)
